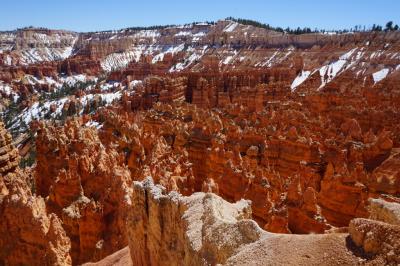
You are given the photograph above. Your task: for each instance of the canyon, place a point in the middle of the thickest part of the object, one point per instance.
(199, 144)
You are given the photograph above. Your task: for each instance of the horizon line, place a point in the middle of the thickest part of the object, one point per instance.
(365, 27)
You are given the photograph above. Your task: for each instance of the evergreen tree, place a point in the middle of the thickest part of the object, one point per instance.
(389, 26)
(376, 27)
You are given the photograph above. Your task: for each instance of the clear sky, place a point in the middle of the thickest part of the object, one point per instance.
(91, 15)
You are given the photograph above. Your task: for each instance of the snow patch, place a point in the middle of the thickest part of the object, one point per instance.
(189, 60)
(197, 36)
(135, 83)
(330, 71)
(92, 123)
(8, 60)
(184, 33)
(72, 80)
(147, 34)
(42, 110)
(231, 27)
(300, 79)
(8, 91)
(228, 59)
(380, 75)
(111, 97)
(172, 50)
(117, 61)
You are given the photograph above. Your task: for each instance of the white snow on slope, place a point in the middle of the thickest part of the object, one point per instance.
(108, 98)
(8, 91)
(231, 26)
(69, 80)
(111, 85)
(173, 50)
(329, 33)
(8, 60)
(228, 59)
(189, 60)
(147, 34)
(5, 88)
(46, 47)
(39, 111)
(300, 79)
(54, 38)
(347, 55)
(197, 36)
(92, 123)
(116, 61)
(184, 33)
(135, 83)
(330, 71)
(381, 74)
(36, 55)
(72, 80)
(5, 47)
(269, 61)
(7, 36)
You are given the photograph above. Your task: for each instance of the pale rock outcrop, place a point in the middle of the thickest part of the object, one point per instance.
(379, 235)
(204, 229)
(381, 210)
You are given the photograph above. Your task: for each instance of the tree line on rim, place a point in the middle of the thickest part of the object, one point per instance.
(358, 28)
(390, 26)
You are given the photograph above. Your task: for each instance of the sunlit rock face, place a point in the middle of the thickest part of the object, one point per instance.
(9, 157)
(29, 233)
(86, 185)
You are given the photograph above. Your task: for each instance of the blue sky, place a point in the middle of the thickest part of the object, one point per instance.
(89, 15)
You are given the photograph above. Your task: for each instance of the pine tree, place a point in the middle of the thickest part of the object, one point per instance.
(389, 26)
